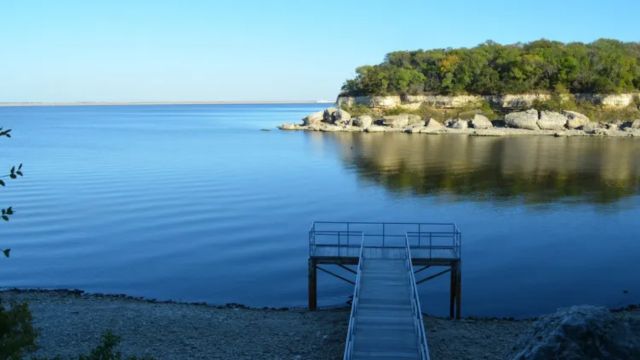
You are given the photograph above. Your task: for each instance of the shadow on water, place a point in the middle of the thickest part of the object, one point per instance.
(535, 169)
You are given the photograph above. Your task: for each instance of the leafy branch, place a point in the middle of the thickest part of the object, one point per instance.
(13, 174)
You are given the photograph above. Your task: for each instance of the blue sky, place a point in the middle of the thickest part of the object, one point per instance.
(257, 50)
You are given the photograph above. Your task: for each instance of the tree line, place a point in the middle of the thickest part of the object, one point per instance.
(603, 66)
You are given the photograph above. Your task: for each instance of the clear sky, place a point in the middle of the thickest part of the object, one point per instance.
(135, 50)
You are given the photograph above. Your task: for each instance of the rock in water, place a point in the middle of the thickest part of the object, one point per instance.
(327, 115)
(480, 122)
(288, 126)
(581, 332)
(415, 129)
(313, 118)
(396, 121)
(341, 117)
(575, 120)
(635, 124)
(363, 121)
(459, 124)
(550, 120)
(433, 124)
(375, 128)
(593, 128)
(523, 119)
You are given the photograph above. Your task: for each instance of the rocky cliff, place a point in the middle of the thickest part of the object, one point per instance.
(504, 102)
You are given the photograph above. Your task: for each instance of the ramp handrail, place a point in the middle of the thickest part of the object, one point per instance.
(354, 306)
(418, 323)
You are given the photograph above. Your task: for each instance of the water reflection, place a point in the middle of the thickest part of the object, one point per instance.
(536, 169)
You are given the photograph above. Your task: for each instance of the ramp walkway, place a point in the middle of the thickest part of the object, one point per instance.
(386, 316)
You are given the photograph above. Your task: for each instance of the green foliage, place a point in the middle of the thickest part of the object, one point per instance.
(399, 110)
(106, 350)
(557, 102)
(14, 173)
(17, 335)
(603, 66)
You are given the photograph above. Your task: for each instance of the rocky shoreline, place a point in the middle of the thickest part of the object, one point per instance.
(527, 122)
(71, 322)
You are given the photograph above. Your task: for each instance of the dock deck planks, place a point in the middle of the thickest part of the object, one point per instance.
(384, 318)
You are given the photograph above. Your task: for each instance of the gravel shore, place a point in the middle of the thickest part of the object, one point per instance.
(71, 322)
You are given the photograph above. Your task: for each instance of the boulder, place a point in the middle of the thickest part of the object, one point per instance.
(459, 124)
(433, 124)
(327, 115)
(635, 124)
(341, 117)
(363, 121)
(580, 332)
(480, 122)
(330, 128)
(592, 128)
(551, 120)
(616, 125)
(396, 121)
(415, 129)
(523, 119)
(575, 120)
(313, 118)
(288, 126)
(375, 128)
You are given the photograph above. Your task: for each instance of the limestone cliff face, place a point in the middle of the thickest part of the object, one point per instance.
(506, 102)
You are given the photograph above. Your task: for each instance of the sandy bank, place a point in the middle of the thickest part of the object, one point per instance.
(72, 322)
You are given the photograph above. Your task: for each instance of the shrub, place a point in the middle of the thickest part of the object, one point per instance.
(557, 102)
(17, 335)
(106, 350)
(357, 109)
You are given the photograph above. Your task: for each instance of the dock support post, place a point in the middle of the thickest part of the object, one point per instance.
(313, 286)
(459, 290)
(452, 292)
(455, 291)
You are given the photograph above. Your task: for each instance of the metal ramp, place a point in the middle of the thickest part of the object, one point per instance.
(386, 320)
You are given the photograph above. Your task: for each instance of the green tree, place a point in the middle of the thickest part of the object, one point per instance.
(603, 66)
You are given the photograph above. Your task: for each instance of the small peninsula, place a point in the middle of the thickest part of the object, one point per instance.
(538, 88)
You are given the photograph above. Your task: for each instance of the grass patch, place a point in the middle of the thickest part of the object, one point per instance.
(593, 111)
(358, 109)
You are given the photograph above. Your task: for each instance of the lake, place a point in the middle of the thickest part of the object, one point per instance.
(196, 203)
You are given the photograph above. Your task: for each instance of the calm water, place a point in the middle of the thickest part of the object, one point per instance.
(196, 203)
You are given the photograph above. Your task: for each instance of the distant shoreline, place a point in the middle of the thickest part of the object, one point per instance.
(142, 103)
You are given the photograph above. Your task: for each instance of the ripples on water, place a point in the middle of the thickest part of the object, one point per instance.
(195, 203)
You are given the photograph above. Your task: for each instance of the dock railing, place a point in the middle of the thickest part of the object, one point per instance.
(427, 240)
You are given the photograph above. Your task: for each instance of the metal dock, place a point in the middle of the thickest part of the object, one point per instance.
(386, 316)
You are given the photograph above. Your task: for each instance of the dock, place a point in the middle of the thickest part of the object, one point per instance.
(386, 315)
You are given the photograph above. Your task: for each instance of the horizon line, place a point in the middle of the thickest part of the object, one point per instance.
(135, 103)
